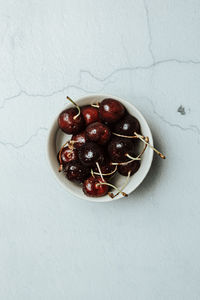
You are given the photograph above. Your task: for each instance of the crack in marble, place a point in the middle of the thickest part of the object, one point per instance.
(26, 142)
(10, 98)
(143, 68)
(99, 79)
(24, 92)
(193, 128)
(58, 91)
(149, 31)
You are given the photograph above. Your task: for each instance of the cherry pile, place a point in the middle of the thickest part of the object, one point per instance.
(104, 141)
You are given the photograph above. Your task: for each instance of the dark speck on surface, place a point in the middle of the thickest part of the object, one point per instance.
(181, 110)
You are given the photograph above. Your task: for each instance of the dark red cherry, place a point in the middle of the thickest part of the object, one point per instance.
(67, 155)
(90, 153)
(110, 126)
(92, 187)
(90, 114)
(106, 168)
(75, 171)
(79, 139)
(118, 148)
(127, 126)
(98, 132)
(132, 167)
(111, 110)
(69, 122)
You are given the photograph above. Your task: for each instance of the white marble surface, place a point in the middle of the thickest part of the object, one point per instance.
(53, 246)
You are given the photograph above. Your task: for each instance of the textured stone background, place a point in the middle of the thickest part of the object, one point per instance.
(52, 245)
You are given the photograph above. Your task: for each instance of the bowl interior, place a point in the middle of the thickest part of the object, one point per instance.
(57, 138)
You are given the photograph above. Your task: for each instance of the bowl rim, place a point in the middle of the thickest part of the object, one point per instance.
(55, 122)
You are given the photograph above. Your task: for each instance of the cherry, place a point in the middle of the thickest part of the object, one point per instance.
(131, 168)
(98, 132)
(110, 125)
(107, 183)
(107, 169)
(120, 149)
(66, 155)
(70, 121)
(90, 114)
(92, 187)
(90, 154)
(75, 171)
(79, 139)
(127, 126)
(111, 110)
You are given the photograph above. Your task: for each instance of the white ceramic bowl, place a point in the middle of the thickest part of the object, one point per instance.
(57, 138)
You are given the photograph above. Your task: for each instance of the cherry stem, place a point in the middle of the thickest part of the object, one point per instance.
(147, 143)
(123, 187)
(59, 157)
(141, 137)
(145, 146)
(125, 136)
(133, 158)
(129, 173)
(114, 187)
(92, 173)
(95, 105)
(79, 111)
(99, 169)
(106, 174)
(122, 163)
(142, 152)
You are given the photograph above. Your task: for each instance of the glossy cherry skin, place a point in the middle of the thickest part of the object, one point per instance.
(68, 124)
(90, 153)
(90, 114)
(75, 171)
(106, 168)
(132, 167)
(111, 110)
(127, 126)
(98, 132)
(79, 139)
(118, 148)
(67, 155)
(92, 187)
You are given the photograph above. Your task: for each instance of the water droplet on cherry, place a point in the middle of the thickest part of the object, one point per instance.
(75, 171)
(111, 110)
(92, 187)
(90, 114)
(127, 126)
(98, 132)
(79, 139)
(69, 123)
(118, 148)
(90, 153)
